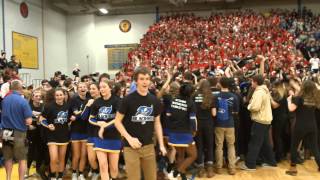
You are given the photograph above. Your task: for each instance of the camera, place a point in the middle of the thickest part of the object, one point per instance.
(76, 72)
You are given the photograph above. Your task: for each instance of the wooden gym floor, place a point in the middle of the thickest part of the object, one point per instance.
(307, 171)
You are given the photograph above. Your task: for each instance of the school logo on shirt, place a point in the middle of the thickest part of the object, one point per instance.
(143, 115)
(62, 117)
(105, 113)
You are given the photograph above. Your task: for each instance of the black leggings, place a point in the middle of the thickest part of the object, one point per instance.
(280, 136)
(297, 136)
(35, 150)
(205, 142)
(318, 124)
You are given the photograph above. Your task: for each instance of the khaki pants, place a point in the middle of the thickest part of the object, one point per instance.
(228, 134)
(137, 159)
(16, 149)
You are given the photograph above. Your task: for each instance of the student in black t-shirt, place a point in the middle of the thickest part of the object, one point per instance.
(304, 105)
(36, 150)
(91, 129)
(78, 133)
(55, 117)
(280, 121)
(182, 126)
(206, 110)
(108, 144)
(137, 119)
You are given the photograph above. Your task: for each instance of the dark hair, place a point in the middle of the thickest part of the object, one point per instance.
(67, 82)
(174, 89)
(225, 82)
(95, 84)
(110, 84)
(50, 95)
(57, 73)
(44, 81)
(213, 81)
(140, 70)
(310, 94)
(104, 75)
(116, 90)
(59, 89)
(6, 78)
(205, 90)
(188, 76)
(258, 79)
(84, 77)
(186, 90)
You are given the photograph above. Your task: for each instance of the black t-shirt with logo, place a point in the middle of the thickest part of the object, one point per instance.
(78, 104)
(180, 111)
(105, 110)
(139, 115)
(58, 115)
(203, 114)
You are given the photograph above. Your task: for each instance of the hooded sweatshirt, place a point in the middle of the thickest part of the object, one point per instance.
(260, 105)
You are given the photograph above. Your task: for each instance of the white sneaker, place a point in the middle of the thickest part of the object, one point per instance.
(81, 177)
(243, 166)
(95, 176)
(266, 165)
(170, 176)
(90, 173)
(74, 176)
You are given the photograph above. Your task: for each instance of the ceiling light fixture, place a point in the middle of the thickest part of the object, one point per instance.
(103, 11)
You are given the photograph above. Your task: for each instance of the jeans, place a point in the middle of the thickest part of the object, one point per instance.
(259, 145)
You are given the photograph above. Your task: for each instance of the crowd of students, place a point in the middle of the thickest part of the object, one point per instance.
(237, 106)
(197, 115)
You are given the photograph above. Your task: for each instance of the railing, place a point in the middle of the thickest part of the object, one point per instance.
(26, 78)
(36, 83)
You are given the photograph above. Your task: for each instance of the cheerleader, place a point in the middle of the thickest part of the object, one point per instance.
(79, 132)
(91, 130)
(108, 144)
(166, 101)
(55, 117)
(182, 126)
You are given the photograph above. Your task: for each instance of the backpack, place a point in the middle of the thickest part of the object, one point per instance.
(223, 109)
